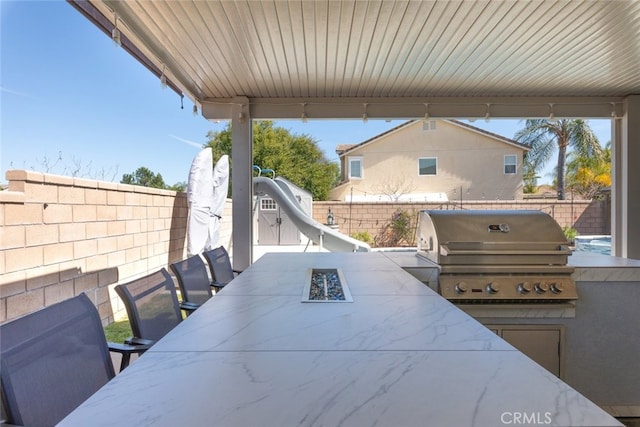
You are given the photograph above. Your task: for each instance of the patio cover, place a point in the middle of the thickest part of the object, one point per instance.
(244, 60)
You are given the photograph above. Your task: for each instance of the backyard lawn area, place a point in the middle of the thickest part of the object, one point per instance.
(118, 331)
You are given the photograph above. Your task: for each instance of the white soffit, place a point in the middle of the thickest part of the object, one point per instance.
(331, 58)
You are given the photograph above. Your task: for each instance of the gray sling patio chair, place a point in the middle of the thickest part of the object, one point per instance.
(220, 266)
(193, 280)
(152, 306)
(53, 360)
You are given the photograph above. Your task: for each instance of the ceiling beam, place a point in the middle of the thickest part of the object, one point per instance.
(412, 108)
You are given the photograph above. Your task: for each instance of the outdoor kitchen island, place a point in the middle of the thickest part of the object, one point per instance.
(592, 343)
(398, 355)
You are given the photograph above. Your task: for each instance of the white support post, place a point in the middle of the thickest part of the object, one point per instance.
(242, 183)
(625, 188)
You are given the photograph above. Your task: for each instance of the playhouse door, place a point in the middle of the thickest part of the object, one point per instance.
(274, 226)
(268, 222)
(289, 233)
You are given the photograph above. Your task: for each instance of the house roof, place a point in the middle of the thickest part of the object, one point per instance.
(344, 149)
(340, 148)
(344, 58)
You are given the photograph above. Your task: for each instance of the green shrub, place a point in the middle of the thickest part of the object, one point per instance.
(570, 233)
(400, 231)
(363, 236)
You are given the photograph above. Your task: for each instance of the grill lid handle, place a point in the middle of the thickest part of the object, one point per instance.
(446, 251)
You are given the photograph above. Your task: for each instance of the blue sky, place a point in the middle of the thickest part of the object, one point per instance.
(66, 91)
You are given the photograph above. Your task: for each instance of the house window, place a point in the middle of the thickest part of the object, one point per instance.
(428, 125)
(510, 163)
(355, 167)
(427, 166)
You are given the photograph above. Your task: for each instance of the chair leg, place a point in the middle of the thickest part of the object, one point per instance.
(126, 357)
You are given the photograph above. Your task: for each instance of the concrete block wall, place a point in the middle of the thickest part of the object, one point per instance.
(62, 236)
(588, 217)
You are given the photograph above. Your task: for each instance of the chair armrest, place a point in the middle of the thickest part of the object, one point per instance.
(131, 346)
(127, 348)
(138, 341)
(189, 306)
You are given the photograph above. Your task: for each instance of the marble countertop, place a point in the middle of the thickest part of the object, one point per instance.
(591, 267)
(593, 260)
(398, 355)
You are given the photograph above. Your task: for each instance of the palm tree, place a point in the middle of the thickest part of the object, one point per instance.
(545, 135)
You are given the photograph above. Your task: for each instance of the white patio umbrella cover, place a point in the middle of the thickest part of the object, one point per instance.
(200, 200)
(220, 190)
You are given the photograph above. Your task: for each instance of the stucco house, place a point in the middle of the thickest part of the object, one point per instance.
(431, 160)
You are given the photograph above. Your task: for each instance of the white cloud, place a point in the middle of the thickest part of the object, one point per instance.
(188, 142)
(15, 92)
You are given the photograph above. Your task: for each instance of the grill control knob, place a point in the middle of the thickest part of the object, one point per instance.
(524, 287)
(461, 288)
(492, 288)
(557, 288)
(541, 288)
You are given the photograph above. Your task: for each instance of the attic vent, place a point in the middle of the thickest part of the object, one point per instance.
(429, 125)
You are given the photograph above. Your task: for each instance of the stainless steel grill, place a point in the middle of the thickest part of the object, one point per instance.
(497, 256)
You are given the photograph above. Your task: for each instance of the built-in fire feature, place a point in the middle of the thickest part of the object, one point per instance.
(326, 285)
